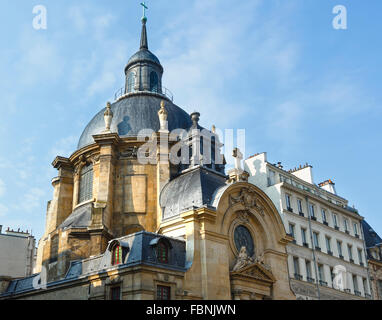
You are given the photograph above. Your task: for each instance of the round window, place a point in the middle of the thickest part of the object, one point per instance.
(243, 238)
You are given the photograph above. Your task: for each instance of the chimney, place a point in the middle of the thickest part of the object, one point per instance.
(304, 172)
(1, 228)
(329, 186)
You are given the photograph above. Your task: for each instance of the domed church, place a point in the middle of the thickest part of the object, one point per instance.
(118, 227)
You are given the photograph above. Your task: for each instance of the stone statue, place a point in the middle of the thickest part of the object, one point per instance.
(162, 114)
(243, 260)
(108, 117)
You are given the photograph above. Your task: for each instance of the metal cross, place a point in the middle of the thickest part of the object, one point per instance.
(144, 9)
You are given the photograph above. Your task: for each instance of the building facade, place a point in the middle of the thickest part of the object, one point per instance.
(326, 259)
(374, 257)
(125, 222)
(17, 254)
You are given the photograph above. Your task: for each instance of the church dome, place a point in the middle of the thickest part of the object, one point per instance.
(138, 110)
(133, 114)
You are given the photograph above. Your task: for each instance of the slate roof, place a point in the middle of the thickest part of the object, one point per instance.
(193, 189)
(79, 218)
(134, 113)
(140, 251)
(142, 56)
(371, 237)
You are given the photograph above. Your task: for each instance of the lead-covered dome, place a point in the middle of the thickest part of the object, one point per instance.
(135, 113)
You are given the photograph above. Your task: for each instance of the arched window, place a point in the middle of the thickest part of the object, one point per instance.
(162, 252)
(154, 82)
(86, 184)
(117, 255)
(131, 82)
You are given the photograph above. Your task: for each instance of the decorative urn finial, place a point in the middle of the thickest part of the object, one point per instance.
(195, 117)
(108, 117)
(163, 114)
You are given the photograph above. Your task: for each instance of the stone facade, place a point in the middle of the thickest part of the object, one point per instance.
(327, 233)
(127, 223)
(17, 254)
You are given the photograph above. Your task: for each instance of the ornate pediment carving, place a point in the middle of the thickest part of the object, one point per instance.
(254, 271)
(244, 260)
(248, 199)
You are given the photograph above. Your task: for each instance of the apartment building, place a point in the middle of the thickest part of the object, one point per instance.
(327, 258)
(17, 253)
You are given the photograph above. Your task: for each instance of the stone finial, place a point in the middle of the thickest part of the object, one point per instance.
(108, 117)
(195, 116)
(213, 129)
(163, 115)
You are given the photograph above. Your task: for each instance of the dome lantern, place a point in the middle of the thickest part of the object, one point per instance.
(143, 71)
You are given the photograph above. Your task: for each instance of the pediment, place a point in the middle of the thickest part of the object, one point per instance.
(254, 271)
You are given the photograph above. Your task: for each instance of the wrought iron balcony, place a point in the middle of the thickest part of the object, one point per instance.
(298, 276)
(311, 280)
(323, 283)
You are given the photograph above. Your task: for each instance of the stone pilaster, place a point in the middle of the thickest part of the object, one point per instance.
(163, 169)
(104, 195)
(61, 206)
(207, 252)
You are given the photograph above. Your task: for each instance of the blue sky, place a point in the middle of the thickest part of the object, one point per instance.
(303, 91)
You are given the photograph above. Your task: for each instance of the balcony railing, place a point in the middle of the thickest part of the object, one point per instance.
(311, 280)
(367, 295)
(306, 244)
(301, 214)
(330, 252)
(323, 283)
(325, 223)
(347, 290)
(290, 209)
(165, 92)
(298, 276)
(357, 293)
